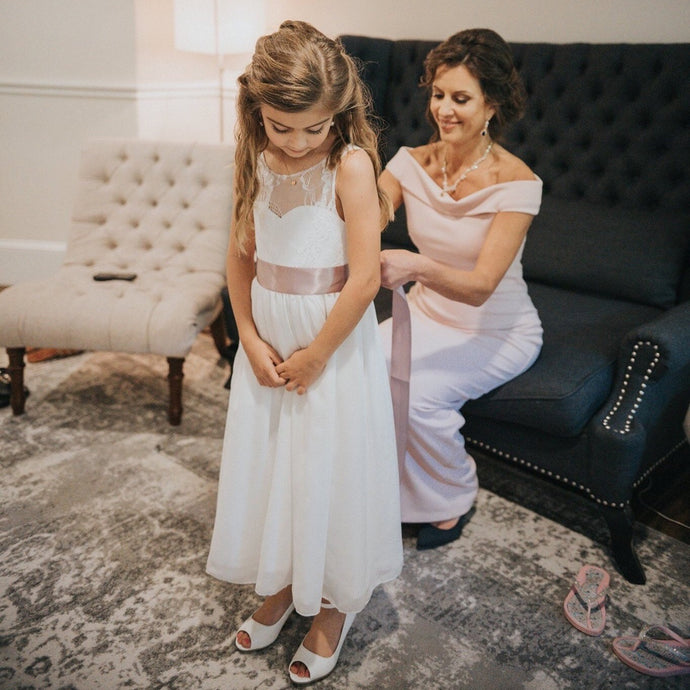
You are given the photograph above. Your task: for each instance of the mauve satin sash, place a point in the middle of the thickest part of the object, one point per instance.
(300, 281)
(401, 357)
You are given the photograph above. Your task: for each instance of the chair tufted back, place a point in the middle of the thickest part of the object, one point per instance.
(151, 208)
(160, 210)
(607, 128)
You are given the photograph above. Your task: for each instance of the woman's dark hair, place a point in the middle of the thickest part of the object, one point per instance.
(490, 61)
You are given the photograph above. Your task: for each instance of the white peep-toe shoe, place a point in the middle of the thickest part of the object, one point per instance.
(261, 635)
(320, 666)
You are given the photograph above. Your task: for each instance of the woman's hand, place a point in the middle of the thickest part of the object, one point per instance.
(398, 266)
(300, 370)
(264, 360)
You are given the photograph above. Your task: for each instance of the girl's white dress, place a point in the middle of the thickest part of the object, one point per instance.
(308, 492)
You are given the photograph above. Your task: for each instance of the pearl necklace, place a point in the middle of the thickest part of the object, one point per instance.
(450, 189)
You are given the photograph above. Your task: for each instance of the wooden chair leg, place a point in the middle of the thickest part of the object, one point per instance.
(219, 334)
(16, 369)
(175, 384)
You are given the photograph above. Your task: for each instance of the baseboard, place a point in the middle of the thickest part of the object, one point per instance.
(23, 260)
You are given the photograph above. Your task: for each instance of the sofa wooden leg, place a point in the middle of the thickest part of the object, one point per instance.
(16, 370)
(620, 524)
(175, 384)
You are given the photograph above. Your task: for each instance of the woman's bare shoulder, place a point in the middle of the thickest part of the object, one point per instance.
(425, 155)
(511, 168)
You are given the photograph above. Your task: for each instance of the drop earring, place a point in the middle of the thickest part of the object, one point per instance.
(486, 127)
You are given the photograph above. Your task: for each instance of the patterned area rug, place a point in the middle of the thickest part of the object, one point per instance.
(105, 519)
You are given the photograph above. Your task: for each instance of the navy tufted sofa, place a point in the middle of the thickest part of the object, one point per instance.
(607, 261)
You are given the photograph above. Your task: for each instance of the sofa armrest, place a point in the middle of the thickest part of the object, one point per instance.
(650, 353)
(642, 421)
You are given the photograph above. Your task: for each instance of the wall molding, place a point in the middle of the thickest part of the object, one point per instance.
(24, 260)
(126, 92)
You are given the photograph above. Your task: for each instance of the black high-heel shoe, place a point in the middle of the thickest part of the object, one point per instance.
(430, 537)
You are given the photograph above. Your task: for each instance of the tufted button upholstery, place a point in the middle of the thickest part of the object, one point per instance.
(116, 227)
(621, 103)
(160, 210)
(605, 127)
(603, 123)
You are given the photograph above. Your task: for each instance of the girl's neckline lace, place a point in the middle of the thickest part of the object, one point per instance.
(295, 174)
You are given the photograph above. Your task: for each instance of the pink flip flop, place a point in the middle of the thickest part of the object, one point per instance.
(657, 651)
(585, 604)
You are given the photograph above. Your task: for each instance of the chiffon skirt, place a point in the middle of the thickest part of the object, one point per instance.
(308, 493)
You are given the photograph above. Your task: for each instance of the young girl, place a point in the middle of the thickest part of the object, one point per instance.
(308, 500)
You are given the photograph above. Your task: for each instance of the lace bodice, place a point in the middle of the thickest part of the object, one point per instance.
(295, 218)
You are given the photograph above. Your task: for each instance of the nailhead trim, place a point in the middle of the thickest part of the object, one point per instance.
(651, 469)
(541, 470)
(607, 422)
(565, 480)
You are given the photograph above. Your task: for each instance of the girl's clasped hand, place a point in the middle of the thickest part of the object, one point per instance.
(296, 373)
(264, 359)
(299, 371)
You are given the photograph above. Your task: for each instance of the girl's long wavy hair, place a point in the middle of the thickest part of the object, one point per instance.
(294, 69)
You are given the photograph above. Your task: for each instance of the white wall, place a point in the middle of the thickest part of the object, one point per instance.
(66, 70)
(554, 21)
(71, 70)
(178, 93)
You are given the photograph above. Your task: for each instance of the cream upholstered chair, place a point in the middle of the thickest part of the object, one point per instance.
(159, 210)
